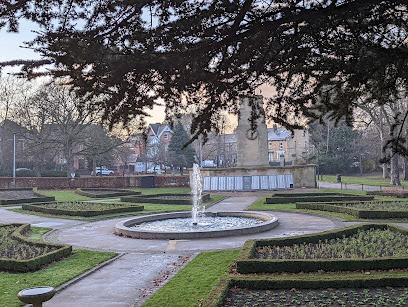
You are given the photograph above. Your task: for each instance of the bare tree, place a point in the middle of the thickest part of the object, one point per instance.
(55, 125)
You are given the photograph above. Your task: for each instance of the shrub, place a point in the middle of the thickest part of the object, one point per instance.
(329, 198)
(104, 193)
(166, 198)
(53, 173)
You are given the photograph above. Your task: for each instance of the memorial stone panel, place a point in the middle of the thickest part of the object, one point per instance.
(255, 183)
(238, 183)
(222, 183)
(207, 184)
(281, 182)
(273, 185)
(230, 183)
(264, 183)
(289, 181)
(214, 183)
(247, 186)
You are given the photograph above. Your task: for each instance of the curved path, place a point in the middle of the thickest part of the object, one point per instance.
(146, 264)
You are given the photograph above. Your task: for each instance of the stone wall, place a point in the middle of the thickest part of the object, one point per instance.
(49, 183)
(304, 176)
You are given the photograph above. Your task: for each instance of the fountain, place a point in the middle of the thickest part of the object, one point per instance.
(196, 224)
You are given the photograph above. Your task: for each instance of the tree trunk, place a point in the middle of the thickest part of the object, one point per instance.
(395, 179)
(385, 170)
(405, 168)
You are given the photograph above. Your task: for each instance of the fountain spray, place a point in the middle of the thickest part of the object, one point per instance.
(196, 190)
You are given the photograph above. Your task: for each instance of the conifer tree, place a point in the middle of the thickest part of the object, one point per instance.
(181, 156)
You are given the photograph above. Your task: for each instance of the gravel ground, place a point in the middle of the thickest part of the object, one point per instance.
(16, 194)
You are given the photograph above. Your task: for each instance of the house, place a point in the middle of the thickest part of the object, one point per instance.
(283, 144)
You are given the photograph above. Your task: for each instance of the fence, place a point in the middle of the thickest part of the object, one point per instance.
(359, 187)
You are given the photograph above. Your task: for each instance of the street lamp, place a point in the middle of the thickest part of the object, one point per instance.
(14, 159)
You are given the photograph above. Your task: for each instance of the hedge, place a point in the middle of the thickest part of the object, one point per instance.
(37, 262)
(356, 212)
(292, 199)
(37, 207)
(40, 198)
(246, 264)
(155, 199)
(306, 194)
(253, 282)
(391, 194)
(115, 192)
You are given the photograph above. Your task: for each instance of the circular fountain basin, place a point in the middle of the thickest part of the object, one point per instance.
(127, 228)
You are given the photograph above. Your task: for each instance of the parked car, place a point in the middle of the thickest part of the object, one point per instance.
(103, 172)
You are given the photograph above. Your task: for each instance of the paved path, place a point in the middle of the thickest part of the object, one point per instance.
(146, 264)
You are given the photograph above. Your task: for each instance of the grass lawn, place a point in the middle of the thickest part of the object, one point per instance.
(54, 275)
(194, 282)
(366, 180)
(260, 205)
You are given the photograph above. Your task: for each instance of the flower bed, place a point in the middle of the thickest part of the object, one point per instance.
(83, 209)
(171, 199)
(385, 290)
(17, 253)
(363, 210)
(104, 193)
(22, 195)
(320, 198)
(340, 253)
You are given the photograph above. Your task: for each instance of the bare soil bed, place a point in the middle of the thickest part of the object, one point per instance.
(318, 297)
(22, 194)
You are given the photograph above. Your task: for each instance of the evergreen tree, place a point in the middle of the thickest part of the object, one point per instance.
(210, 52)
(180, 155)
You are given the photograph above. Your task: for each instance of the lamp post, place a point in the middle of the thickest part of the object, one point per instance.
(14, 159)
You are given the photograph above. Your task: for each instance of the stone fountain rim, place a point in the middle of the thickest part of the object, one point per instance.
(122, 228)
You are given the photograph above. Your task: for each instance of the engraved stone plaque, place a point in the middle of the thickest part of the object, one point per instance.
(247, 183)
(273, 185)
(214, 183)
(264, 183)
(230, 184)
(207, 184)
(255, 183)
(281, 182)
(222, 183)
(238, 183)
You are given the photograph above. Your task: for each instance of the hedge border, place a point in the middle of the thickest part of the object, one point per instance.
(118, 193)
(292, 199)
(37, 207)
(306, 194)
(36, 263)
(40, 198)
(356, 212)
(391, 194)
(220, 290)
(246, 264)
(153, 199)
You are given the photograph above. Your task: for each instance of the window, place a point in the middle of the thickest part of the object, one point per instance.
(166, 136)
(279, 155)
(270, 145)
(281, 145)
(304, 133)
(271, 156)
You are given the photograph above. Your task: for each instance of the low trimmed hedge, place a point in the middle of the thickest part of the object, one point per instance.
(306, 194)
(38, 207)
(246, 264)
(115, 192)
(294, 199)
(356, 212)
(390, 194)
(253, 282)
(155, 199)
(37, 262)
(40, 198)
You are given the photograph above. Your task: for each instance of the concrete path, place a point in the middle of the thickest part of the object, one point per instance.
(148, 264)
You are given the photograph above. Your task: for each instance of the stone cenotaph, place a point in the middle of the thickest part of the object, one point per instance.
(252, 171)
(252, 144)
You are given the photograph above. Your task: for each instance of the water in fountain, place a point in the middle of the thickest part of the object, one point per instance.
(196, 190)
